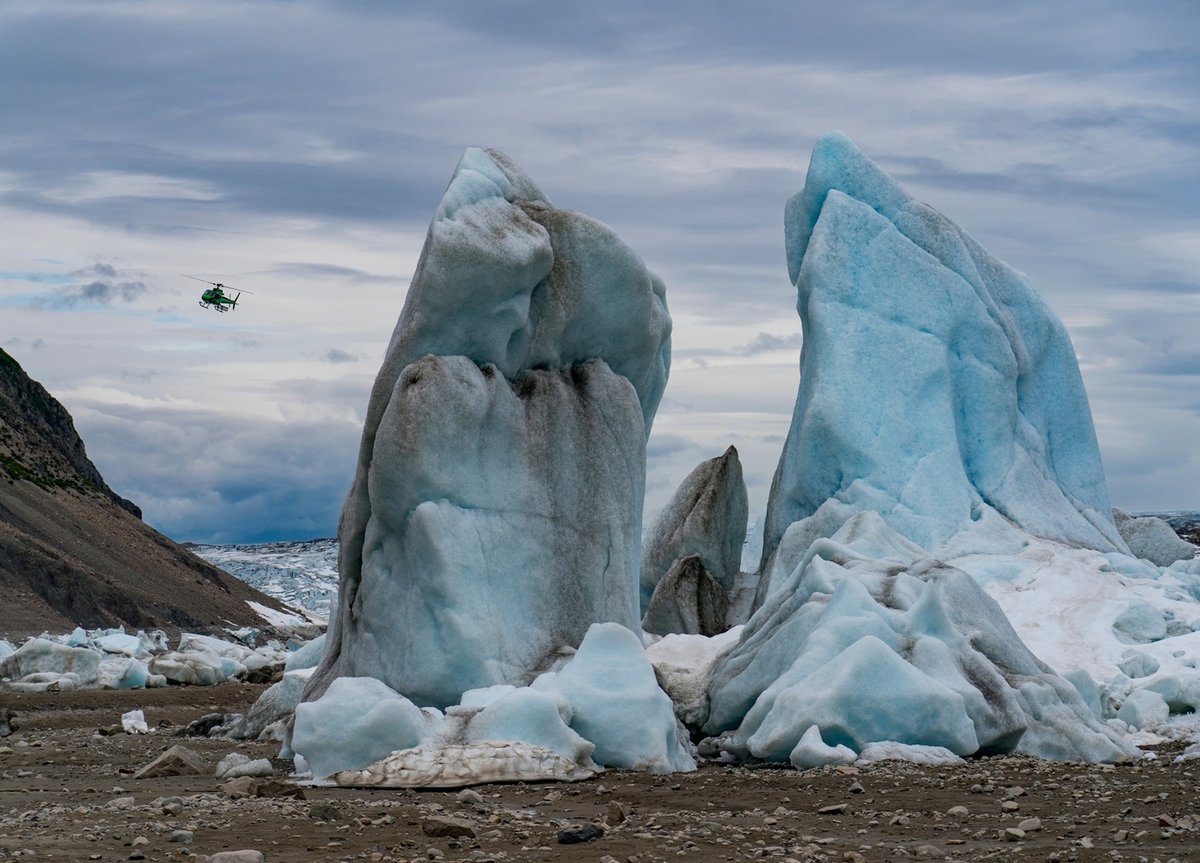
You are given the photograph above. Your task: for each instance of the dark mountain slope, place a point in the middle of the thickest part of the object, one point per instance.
(75, 553)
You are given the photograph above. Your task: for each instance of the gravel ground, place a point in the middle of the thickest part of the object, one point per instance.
(69, 793)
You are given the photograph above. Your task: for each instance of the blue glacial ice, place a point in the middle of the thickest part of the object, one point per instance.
(940, 413)
(492, 534)
(357, 721)
(617, 703)
(871, 641)
(496, 509)
(941, 444)
(936, 385)
(602, 708)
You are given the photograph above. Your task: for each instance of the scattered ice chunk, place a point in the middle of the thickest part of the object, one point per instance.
(812, 751)
(122, 673)
(1143, 709)
(1153, 539)
(1181, 691)
(1189, 754)
(1137, 664)
(43, 656)
(357, 721)
(193, 667)
(237, 764)
(889, 750)
(134, 722)
(617, 703)
(1140, 623)
(537, 718)
(121, 642)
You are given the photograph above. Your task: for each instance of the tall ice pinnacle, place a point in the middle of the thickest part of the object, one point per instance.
(497, 505)
(937, 388)
(941, 414)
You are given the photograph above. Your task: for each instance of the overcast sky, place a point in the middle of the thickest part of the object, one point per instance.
(298, 150)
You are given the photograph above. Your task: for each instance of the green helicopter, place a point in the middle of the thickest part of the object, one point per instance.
(215, 297)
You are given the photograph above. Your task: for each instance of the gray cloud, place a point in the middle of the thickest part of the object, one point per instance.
(209, 478)
(100, 284)
(1186, 362)
(764, 342)
(331, 271)
(337, 355)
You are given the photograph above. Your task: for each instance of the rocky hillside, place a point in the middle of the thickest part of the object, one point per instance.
(73, 551)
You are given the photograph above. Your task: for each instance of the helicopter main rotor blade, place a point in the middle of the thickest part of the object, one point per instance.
(214, 284)
(206, 281)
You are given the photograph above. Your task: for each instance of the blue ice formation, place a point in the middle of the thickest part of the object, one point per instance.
(871, 640)
(617, 703)
(357, 721)
(937, 388)
(940, 413)
(603, 707)
(496, 509)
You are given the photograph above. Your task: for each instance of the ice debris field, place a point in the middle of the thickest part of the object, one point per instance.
(939, 573)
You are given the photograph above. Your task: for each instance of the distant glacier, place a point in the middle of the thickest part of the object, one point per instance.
(302, 573)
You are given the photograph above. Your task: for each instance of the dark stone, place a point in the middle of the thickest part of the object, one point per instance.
(687, 600)
(8, 722)
(580, 834)
(203, 726)
(275, 789)
(707, 517)
(324, 812)
(264, 675)
(439, 826)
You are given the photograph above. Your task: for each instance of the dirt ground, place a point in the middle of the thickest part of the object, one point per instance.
(68, 793)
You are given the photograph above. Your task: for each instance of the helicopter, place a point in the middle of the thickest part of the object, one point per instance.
(215, 297)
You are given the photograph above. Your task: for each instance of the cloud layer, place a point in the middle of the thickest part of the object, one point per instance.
(298, 150)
